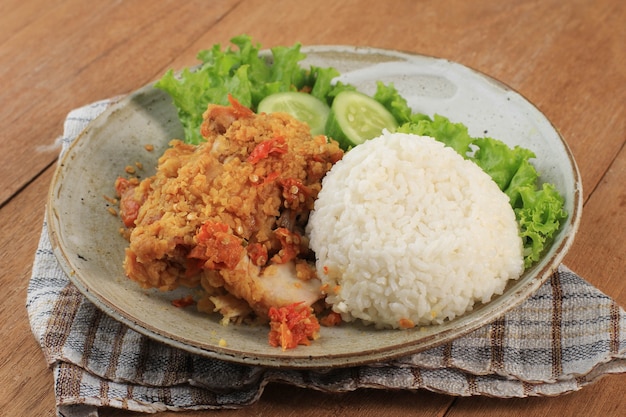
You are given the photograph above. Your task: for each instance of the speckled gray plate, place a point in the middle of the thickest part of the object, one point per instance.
(89, 248)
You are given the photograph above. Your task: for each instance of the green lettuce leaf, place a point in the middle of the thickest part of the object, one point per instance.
(525, 176)
(244, 73)
(388, 96)
(498, 160)
(539, 217)
(454, 135)
(323, 87)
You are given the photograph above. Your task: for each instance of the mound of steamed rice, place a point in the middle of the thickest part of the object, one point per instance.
(406, 232)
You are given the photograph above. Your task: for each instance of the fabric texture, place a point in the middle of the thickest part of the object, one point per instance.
(565, 336)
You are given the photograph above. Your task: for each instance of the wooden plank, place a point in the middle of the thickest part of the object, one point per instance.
(15, 15)
(22, 365)
(598, 253)
(77, 53)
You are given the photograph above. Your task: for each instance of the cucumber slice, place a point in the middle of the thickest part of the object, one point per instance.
(355, 117)
(302, 106)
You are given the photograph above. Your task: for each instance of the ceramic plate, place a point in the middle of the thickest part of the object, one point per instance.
(90, 249)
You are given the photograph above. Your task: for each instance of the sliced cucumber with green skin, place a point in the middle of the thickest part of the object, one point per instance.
(302, 106)
(355, 117)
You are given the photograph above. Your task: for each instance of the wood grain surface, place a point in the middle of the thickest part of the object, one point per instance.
(567, 57)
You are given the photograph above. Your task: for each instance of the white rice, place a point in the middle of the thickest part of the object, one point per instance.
(407, 232)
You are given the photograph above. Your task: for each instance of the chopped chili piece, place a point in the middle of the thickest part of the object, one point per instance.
(239, 109)
(294, 192)
(290, 245)
(129, 206)
(274, 146)
(183, 302)
(406, 324)
(330, 320)
(217, 246)
(257, 253)
(292, 325)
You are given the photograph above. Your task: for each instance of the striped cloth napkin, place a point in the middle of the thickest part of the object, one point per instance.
(565, 336)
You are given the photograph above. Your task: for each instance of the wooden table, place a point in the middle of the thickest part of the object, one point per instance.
(567, 57)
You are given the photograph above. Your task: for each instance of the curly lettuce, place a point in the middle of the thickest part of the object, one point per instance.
(245, 74)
